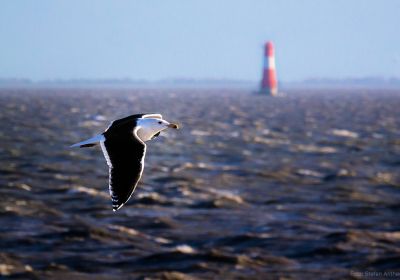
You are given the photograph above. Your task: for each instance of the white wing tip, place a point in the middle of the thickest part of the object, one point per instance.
(95, 139)
(119, 207)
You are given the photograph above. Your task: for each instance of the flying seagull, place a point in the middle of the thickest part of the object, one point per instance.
(123, 146)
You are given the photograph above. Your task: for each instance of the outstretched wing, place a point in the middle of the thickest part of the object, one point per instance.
(122, 121)
(125, 158)
(152, 116)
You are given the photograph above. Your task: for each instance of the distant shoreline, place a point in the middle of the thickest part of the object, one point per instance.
(315, 83)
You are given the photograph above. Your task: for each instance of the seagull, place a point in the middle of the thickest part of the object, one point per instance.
(124, 148)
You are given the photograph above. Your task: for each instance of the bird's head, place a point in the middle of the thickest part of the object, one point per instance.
(149, 127)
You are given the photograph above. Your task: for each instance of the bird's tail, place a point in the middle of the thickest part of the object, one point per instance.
(89, 142)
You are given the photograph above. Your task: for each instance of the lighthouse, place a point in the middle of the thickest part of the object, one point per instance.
(269, 84)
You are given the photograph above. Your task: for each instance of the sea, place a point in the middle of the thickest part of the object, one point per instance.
(305, 185)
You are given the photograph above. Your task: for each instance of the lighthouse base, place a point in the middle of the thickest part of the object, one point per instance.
(267, 91)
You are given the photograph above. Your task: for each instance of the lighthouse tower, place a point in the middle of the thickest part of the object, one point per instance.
(269, 84)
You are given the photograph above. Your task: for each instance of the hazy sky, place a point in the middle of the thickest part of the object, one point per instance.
(156, 39)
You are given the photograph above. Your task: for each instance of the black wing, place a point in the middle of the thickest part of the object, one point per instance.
(125, 154)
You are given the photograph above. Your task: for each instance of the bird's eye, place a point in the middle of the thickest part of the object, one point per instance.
(160, 122)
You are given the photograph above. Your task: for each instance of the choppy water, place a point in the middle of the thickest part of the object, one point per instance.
(299, 187)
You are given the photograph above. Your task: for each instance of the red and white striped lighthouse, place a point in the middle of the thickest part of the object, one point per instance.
(269, 84)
